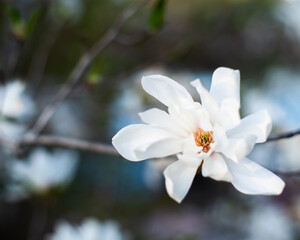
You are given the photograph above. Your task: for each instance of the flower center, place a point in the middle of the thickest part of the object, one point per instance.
(203, 139)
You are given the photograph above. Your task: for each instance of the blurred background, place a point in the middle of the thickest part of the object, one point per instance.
(58, 193)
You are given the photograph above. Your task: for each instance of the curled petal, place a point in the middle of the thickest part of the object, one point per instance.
(215, 167)
(225, 88)
(258, 124)
(139, 142)
(250, 178)
(225, 85)
(158, 118)
(166, 90)
(179, 177)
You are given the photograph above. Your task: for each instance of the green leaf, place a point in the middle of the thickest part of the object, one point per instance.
(14, 14)
(30, 23)
(157, 15)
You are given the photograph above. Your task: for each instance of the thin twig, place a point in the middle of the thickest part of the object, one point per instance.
(283, 135)
(81, 67)
(83, 145)
(287, 174)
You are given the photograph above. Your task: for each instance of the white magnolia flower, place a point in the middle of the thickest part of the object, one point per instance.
(44, 170)
(13, 101)
(90, 229)
(210, 137)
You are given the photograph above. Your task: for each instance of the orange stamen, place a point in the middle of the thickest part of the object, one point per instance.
(203, 139)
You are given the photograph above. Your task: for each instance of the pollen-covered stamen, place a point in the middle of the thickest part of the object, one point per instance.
(203, 139)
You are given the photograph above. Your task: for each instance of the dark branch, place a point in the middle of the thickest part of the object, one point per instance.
(290, 134)
(83, 145)
(80, 69)
(287, 174)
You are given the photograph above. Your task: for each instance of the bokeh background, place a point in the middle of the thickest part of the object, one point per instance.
(41, 42)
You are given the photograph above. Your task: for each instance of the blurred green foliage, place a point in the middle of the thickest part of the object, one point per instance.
(21, 28)
(156, 19)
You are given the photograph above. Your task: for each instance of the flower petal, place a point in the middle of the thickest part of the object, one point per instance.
(166, 90)
(233, 148)
(207, 101)
(229, 115)
(258, 124)
(139, 142)
(250, 178)
(190, 117)
(239, 147)
(225, 88)
(179, 177)
(225, 85)
(191, 159)
(220, 139)
(215, 167)
(158, 118)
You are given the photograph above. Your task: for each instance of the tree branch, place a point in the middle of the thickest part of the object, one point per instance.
(81, 67)
(283, 135)
(287, 174)
(83, 145)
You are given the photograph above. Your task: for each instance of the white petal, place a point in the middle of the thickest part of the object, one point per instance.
(166, 90)
(187, 118)
(239, 148)
(220, 139)
(250, 178)
(158, 118)
(225, 85)
(225, 88)
(190, 117)
(139, 142)
(191, 159)
(207, 101)
(179, 178)
(234, 148)
(258, 124)
(216, 168)
(189, 146)
(229, 115)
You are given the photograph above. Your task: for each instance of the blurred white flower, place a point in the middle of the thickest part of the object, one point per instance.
(288, 12)
(10, 130)
(13, 101)
(270, 222)
(44, 170)
(210, 137)
(90, 229)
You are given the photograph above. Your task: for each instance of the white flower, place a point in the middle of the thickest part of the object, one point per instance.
(210, 137)
(13, 101)
(11, 130)
(44, 170)
(90, 229)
